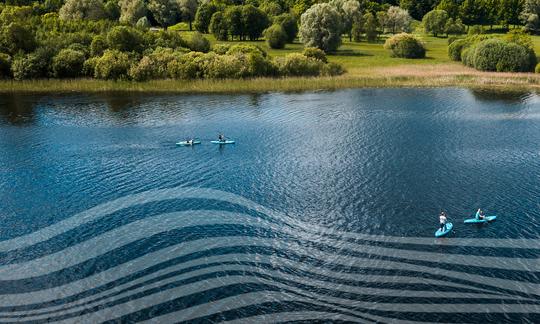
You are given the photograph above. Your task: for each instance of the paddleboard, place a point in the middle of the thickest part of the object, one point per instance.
(223, 142)
(480, 221)
(185, 143)
(447, 230)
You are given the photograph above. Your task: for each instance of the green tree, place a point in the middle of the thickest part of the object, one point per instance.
(16, 37)
(397, 20)
(451, 7)
(471, 12)
(131, 11)
(113, 65)
(143, 23)
(112, 10)
(188, 9)
(347, 9)
(418, 8)
(198, 43)
(219, 27)
(98, 45)
(272, 9)
(509, 12)
(321, 27)
(531, 15)
(82, 9)
(371, 26)
(204, 15)
(275, 36)
(233, 18)
(435, 22)
(454, 27)
(125, 39)
(358, 28)
(68, 63)
(5, 65)
(255, 21)
(289, 24)
(164, 11)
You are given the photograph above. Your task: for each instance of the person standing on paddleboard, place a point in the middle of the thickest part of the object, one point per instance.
(442, 220)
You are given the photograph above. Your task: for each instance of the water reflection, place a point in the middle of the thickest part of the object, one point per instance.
(504, 96)
(17, 108)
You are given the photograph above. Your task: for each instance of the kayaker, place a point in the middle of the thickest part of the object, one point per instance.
(442, 220)
(479, 214)
(221, 138)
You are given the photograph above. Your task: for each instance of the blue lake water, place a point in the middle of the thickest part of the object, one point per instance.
(317, 186)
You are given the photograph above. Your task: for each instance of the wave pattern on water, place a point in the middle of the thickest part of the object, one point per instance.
(219, 265)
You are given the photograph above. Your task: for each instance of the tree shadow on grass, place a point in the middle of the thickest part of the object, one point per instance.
(350, 53)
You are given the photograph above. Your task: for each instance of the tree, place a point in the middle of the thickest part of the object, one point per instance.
(348, 10)
(164, 11)
(125, 39)
(198, 43)
(405, 46)
(358, 28)
(143, 23)
(470, 12)
(131, 11)
(275, 36)
(509, 11)
(219, 27)
(68, 63)
(16, 37)
(321, 27)
(204, 15)
(450, 6)
(254, 21)
(418, 8)
(233, 18)
(454, 27)
(188, 9)
(112, 65)
(272, 9)
(397, 19)
(435, 22)
(112, 10)
(371, 26)
(289, 24)
(82, 9)
(530, 15)
(98, 45)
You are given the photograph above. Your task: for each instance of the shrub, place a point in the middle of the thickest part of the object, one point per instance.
(26, 67)
(154, 65)
(289, 24)
(296, 64)
(170, 39)
(455, 49)
(221, 49)
(514, 58)
(5, 66)
(223, 66)
(198, 43)
(467, 56)
(275, 36)
(502, 56)
(188, 66)
(405, 46)
(125, 38)
(219, 26)
(143, 23)
(68, 63)
(475, 30)
(98, 45)
(332, 69)
(112, 65)
(16, 37)
(89, 67)
(246, 49)
(537, 68)
(315, 53)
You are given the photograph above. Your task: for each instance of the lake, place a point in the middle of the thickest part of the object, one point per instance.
(323, 210)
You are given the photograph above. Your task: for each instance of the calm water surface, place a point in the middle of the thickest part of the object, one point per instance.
(351, 162)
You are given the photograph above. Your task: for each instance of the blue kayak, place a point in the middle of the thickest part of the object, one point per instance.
(447, 229)
(480, 221)
(223, 142)
(185, 143)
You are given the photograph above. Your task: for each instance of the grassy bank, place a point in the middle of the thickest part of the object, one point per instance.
(368, 65)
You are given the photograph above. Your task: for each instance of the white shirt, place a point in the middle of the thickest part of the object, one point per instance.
(442, 219)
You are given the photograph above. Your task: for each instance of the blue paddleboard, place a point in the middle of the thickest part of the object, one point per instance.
(447, 229)
(480, 221)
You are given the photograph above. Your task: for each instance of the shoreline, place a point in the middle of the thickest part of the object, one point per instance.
(405, 76)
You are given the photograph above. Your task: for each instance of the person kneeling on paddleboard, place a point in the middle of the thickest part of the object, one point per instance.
(442, 220)
(480, 214)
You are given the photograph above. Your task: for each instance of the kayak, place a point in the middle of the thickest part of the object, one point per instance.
(447, 229)
(480, 221)
(223, 142)
(185, 143)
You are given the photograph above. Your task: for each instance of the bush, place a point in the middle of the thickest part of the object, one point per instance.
(537, 68)
(68, 63)
(223, 66)
(296, 64)
(246, 49)
(315, 53)
(275, 36)
(221, 49)
(154, 65)
(26, 67)
(143, 23)
(332, 69)
(16, 37)
(89, 67)
(113, 65)
(98, 45)
(5, 66)
(188, 66)
(475, 30)
(170, 39)
(126, 39)
(455, 49)
(199, 43)
(467, 56)
(514, 58)
(405, 46)
(219, 26)
(502, 56)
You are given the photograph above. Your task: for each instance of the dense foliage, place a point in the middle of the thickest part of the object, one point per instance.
(405, 46)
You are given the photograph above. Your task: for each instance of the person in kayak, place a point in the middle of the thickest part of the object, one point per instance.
(189, 141)
(442, 220)
(480, 214)
(221, 138)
